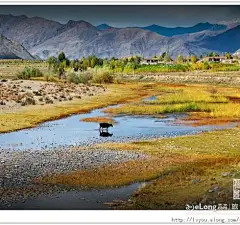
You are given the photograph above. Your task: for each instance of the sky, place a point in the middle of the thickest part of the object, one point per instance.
(125, 16)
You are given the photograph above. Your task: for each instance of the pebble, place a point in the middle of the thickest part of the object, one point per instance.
(19, 168)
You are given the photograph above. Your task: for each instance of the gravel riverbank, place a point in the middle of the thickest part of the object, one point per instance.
(19, 168)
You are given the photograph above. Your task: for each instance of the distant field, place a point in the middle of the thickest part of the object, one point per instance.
(193, 77)
(9, 68)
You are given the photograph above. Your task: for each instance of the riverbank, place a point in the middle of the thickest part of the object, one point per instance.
(182, 170)
(195, 168)
(19, 170)
(204, 104)
(31, 116)
(17, 94)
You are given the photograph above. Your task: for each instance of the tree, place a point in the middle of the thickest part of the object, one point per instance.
(137, 60)
(94, 62)
(228, 55)
(68, 62)
(85, 63)
(180, 59)
(163, 55)
(112, 64)
(213, 54)
(75, 64)
(52, 61)
(167, 58)
(194, 59)
(61, 57)
(61, 70)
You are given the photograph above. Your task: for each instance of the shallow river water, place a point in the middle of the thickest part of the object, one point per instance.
(71, 131)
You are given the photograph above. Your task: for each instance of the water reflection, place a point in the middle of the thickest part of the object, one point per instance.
(105, 134)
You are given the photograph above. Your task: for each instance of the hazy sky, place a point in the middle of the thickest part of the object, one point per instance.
(121, 16)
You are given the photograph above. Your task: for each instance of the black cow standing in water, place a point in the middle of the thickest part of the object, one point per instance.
(104, 126)
(105, 134)
(104, 129)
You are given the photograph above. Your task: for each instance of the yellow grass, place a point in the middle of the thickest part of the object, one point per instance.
(210, 102)
(30, 116)
(9, 69)
(163, 156)
(99, 120)
(189, 184)
(115, 175)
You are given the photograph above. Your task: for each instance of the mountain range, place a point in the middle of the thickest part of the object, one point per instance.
(12, 50)
(41, 38)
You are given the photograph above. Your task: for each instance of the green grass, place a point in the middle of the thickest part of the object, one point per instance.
(214, 67)
(162, 68)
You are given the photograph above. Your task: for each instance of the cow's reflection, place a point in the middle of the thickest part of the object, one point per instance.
(105, 134)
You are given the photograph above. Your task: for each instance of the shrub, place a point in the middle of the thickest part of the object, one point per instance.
(50, 77)
(163, 68)
(28, 100)
(103, 78)
(29, 72)
(78, 78)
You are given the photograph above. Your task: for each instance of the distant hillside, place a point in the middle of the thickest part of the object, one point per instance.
(237, 53)
(169, 32)
(44, 38)
(28, 31)
(12, 50)
(84, 40)
(71, 40)
(103, 26)
(225, 42)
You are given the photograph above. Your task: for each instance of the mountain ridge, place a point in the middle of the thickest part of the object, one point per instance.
(12, 50)
(44, 38)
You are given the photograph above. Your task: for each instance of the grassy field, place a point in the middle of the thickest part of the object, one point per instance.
(183, 170)
(9, 68)
(211, 67)
(30, 116)
(200, 101)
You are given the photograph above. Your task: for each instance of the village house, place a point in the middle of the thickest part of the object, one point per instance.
(220, 59)
(214, 59)
(153, 61)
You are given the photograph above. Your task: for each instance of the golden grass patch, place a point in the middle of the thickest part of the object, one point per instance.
(99, 120)
(116, 174)
(189, 183)
(208, 104)
(181, 169)
(31, 116)
(163, 154)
